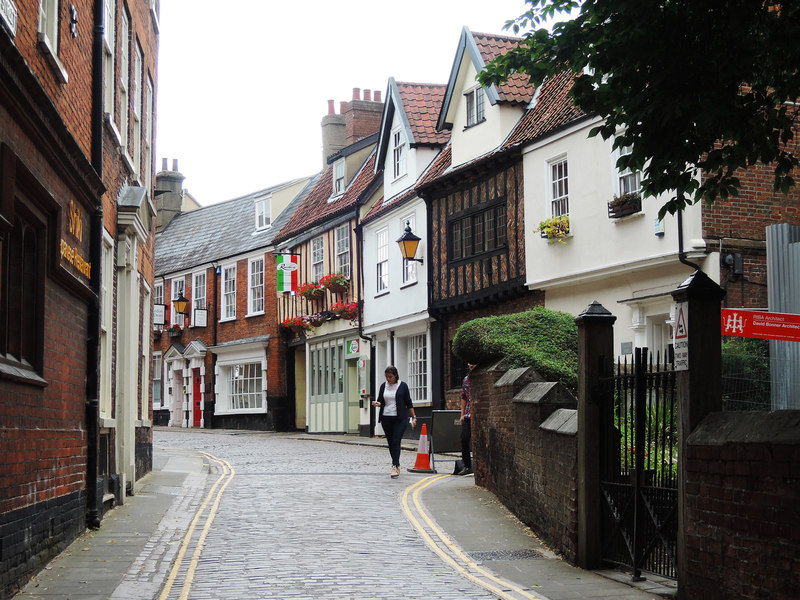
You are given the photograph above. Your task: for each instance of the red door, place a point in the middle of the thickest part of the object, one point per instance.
(196, 397)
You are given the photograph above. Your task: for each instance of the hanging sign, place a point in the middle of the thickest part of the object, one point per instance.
(759, 324)
(288, 273)
(680, 343)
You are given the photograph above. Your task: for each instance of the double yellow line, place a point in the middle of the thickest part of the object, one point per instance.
(454, 556)
(216, 493)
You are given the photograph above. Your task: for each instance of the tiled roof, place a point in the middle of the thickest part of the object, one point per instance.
(316, 209)
(212, 232)
(552, 110)
(518, 87)
(383, 205)
(422, 102)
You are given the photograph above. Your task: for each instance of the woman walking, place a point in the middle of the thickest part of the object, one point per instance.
(394, 399)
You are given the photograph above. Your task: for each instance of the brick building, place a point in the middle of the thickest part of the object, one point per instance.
(221, 364)
(77, 125)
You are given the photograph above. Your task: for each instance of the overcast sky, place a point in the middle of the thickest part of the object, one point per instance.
(243, 85)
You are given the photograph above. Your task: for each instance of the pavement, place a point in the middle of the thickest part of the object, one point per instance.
(131, 556)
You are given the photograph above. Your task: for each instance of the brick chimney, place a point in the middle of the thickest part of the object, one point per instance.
(168, 194)
(363, 116)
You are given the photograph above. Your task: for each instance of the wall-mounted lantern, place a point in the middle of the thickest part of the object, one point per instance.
(181, 304)
(408, 243)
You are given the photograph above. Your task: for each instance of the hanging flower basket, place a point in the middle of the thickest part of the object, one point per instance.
(345, 310)
(555, 229)
(336, 283)
(624, 205)
(316, 319)
(296, 324)
(174, 331)
(311, 291)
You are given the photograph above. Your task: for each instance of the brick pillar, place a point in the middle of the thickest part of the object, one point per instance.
(595, 360)
(698, 381)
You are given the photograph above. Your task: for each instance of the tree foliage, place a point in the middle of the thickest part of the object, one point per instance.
(543, 339)
(692, 85)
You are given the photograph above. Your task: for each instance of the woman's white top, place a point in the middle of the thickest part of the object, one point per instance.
(389, 399)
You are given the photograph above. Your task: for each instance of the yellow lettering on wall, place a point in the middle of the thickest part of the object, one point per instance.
(71, 254)
(74, 221)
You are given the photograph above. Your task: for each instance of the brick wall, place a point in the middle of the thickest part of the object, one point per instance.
(742, 498)
(533, 471)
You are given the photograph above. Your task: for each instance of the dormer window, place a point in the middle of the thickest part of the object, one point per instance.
(398, 154)
(338, 177)
(262, 213)
(475, 106)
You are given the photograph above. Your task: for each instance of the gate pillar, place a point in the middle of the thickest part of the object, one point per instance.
(698, 379)
(595, 361)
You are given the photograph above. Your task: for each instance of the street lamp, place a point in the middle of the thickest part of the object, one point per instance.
(181, 304)
(408, 243)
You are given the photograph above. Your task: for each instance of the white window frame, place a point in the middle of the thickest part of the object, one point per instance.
(199, 292)
(138, 66)
(158, 298)
(106, 324)
(627, 181)
(476, 106)
(262, 213)
(342, 236)
(409, 266)
(157, 366)
(558, 186)
(255, 286)
(109, 36)
(124, 79)
(148, 138)
(144, 357)
(417, 366)
(399, 153)
(177, 287)
(228, 284)
(317, 258)
(256, 372)
(48, 24)
(382, 260)
(338, 178)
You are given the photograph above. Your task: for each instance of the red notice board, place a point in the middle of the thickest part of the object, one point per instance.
(758, 324)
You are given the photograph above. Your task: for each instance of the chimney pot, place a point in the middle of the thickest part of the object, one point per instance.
(342, 107)
(356, 93)
(175, 164)
(368, 95)
(377, 96)
(164, 163)
(331, 108)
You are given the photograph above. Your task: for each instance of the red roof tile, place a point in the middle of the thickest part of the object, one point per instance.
(422, 103)
(316, 209)
(518, 88)
(553, 109)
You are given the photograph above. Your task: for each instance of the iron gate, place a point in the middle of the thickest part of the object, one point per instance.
(639, 478)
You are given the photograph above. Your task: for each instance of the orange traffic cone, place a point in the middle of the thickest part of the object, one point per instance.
(423, 464)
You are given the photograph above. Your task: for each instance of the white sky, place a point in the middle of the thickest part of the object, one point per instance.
(244, 84)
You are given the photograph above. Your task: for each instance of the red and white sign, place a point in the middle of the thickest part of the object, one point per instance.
(764, 325)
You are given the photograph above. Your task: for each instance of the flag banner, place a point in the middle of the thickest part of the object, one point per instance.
(759, 324)
(288, 273)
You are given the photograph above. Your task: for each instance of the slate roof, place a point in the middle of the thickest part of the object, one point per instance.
(518, 88)
(552, 109)
(316, 210)
(219, 231)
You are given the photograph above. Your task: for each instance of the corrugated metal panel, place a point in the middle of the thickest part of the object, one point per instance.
(783, 294)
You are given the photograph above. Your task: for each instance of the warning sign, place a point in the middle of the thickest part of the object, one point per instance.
(681, 341)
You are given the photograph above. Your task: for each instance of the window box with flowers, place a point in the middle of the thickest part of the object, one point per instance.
(311, 291)
(555, 229)
(316, 319)
(345, 310)
(335, 282)
(296, 324)
(624, 205)
(174, 330)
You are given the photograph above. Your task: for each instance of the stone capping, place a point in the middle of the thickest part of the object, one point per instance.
(519, 377)
(546, 392)
(563, 421)
(721, 428)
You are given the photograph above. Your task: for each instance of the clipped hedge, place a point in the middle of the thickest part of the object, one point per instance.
(543, 339)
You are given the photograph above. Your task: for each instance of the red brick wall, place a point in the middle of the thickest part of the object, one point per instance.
(531, 470)
(743, 507)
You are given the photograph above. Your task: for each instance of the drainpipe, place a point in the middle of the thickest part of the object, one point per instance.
(681, 253)
(93, 514)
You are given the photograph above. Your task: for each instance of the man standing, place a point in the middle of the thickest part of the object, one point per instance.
(466, 425)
